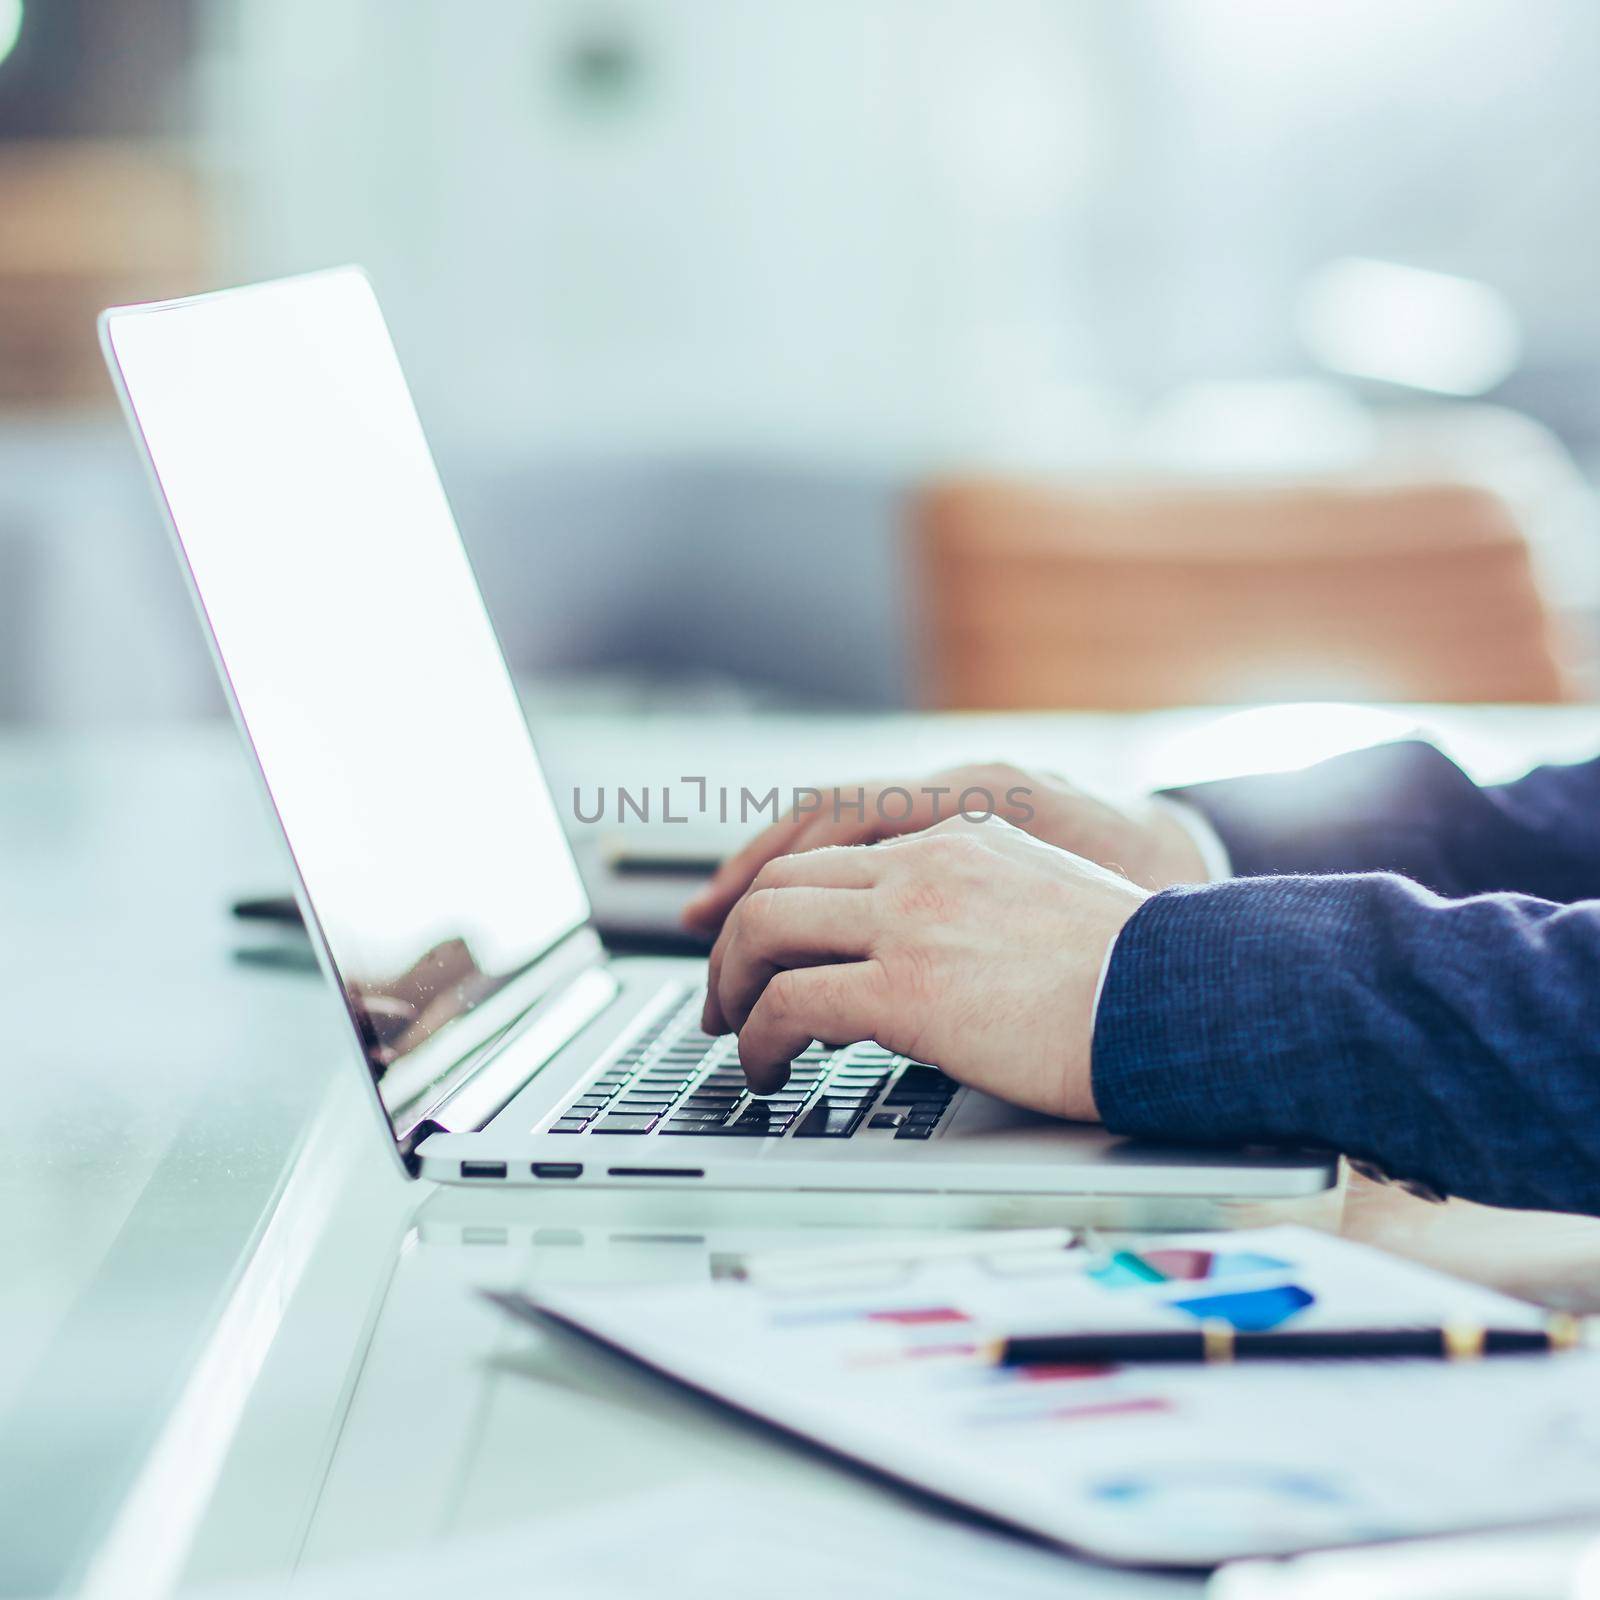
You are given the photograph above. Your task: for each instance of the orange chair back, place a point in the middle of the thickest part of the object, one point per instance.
(1036, 597)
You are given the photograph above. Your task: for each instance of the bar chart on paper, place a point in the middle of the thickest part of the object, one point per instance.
(1157, 1464)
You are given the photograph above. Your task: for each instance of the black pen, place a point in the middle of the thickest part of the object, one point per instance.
(1221, 1342)
(280, 908)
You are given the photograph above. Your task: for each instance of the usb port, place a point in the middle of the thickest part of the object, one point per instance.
(558, 1169)
(483, 1169)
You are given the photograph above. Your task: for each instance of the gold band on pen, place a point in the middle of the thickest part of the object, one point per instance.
(1564, 1331)
(1462, 1342)
(1216, 1339)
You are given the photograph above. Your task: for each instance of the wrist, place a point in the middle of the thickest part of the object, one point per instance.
(1171, 854)
(1078, 1099)
(1185, 847)
(1091, 1110)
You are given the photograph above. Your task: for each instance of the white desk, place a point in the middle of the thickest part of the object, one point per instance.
(198, 1227)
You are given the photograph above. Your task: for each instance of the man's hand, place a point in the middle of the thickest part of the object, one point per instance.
(972, 945)
(1142, 839)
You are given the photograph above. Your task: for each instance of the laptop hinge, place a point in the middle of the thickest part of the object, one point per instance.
(541, 993)
(547, 1029)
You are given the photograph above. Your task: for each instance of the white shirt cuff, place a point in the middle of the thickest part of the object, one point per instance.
(1105, 967)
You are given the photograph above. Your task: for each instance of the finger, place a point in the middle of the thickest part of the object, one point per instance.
(836, 1004)
(711, 907)
(818, 828)
(795, 836)
(828, 832)
(852, 867)
(771, 929)
(730, 880)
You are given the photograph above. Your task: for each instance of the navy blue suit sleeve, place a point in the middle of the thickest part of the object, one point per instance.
(1455, 1042)
(1407, 808)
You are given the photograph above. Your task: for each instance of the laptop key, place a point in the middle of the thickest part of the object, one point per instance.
(626, 1122)
(829, 1122)
(916, 1130)
(759, 1116)
(885, 1119)
(568, 1125)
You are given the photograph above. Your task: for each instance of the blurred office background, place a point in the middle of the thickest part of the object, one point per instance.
(874, 352)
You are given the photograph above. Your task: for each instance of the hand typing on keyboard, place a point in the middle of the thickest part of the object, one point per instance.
(1141, 838)
(971, 944)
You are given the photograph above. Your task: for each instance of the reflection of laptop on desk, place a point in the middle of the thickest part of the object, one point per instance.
(430, 864)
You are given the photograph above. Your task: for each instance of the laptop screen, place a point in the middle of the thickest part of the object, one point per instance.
(355, 642)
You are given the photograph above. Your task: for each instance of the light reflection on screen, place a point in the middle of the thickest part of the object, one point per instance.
(351, 628)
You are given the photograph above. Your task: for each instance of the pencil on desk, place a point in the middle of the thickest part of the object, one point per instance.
(1219, 1342)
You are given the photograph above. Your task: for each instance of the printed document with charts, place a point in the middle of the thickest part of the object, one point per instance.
(1181, 1465)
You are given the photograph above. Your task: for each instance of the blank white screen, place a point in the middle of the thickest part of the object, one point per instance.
(357, 645)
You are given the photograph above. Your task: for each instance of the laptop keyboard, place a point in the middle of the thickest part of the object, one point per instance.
(674, 1079)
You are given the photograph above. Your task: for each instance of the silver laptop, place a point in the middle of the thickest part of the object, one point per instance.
(502, 1045)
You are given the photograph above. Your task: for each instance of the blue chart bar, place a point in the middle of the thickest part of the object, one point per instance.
(1252, 1310)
